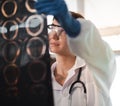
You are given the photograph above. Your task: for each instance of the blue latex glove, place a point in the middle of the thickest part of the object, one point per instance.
(59, 10)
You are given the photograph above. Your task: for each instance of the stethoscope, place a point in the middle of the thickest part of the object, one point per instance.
(78, 81)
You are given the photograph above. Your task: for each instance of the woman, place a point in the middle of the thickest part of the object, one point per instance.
(96, 73)
(85, 65)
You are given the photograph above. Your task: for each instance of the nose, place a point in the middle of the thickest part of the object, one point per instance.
(53, 35)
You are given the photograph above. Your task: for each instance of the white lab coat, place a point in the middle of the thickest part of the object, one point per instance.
(99, 64)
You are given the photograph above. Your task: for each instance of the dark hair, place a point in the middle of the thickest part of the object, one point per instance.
(76, 15)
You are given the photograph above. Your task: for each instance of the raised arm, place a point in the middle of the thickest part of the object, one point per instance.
(59, 10)
(96, 52)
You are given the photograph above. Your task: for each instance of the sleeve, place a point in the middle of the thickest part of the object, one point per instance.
(96, 52)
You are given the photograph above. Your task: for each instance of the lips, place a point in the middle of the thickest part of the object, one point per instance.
(54, 44)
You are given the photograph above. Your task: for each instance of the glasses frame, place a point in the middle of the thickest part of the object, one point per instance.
(56, 28)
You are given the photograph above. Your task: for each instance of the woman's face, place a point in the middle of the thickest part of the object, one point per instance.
(57, 39)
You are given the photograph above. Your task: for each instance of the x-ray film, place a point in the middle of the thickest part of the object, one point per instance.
(25, 76)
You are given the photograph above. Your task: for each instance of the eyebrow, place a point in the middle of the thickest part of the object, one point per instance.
(53, 25)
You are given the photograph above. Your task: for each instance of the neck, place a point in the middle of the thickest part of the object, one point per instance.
(64, 63)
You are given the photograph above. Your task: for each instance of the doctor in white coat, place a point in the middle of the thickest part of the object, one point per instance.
(85, 64)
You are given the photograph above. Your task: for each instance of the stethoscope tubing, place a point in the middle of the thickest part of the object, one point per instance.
(78, 81)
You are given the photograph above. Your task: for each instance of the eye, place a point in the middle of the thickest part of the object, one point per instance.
(51, 27)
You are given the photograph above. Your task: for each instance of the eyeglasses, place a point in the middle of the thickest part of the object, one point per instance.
(52, 28)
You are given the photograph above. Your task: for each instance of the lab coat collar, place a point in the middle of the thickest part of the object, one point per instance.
(79, 62)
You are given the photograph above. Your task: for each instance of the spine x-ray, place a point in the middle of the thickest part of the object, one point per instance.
(25, 77)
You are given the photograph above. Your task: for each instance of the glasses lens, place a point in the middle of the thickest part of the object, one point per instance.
(52, 29)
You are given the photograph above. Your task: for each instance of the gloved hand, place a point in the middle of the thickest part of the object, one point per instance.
(59, 10)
